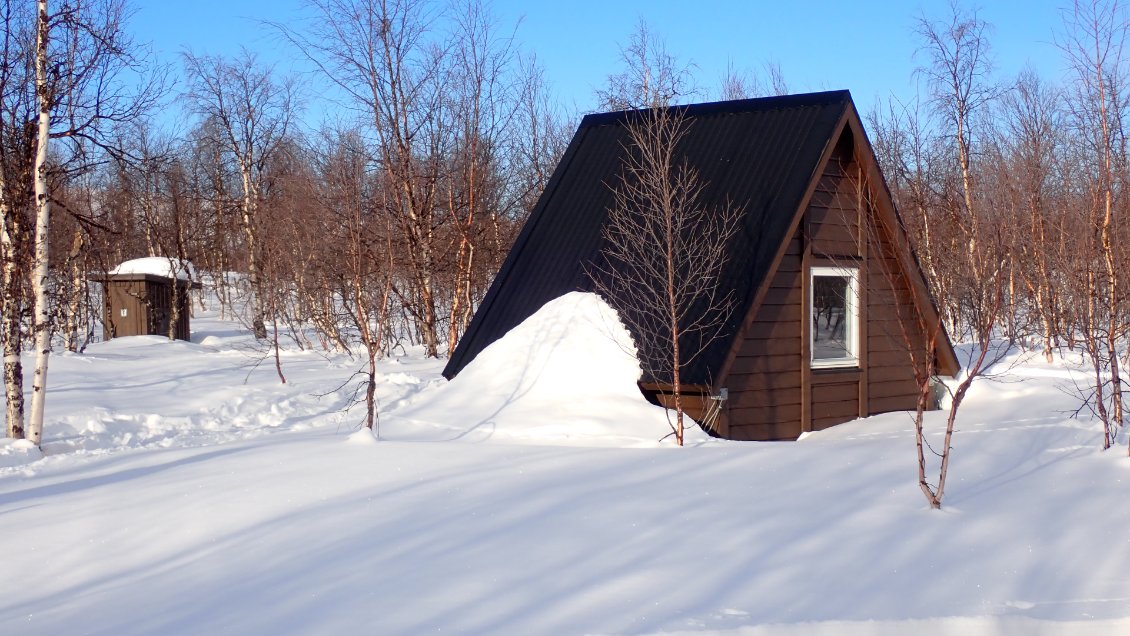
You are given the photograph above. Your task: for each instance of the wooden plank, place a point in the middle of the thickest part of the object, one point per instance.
(764, 399)
(779, 313)
(763, 381)
(843, 408)
(789, 295)
(835, 215)
(891, 374)
(891, 325)
(768, 347)
(835, 249)
(766, 432)
(786, 283)
(893, 309)
(863, 386)
(822, 423)
(822, 197)
(693, 406)
(806, 329)
(879, 282)
(785, 414)
(794, 247)
(766, 364)
(790, 264)
(887, 336)
(894, 358)
(847, 391)
(893, 388)
(776, 330)
(884, 346)
(835, 376)
(888, 404)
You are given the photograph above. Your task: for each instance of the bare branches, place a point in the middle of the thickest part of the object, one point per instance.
(664, 251)
(652, 76)
(1094, 39)
(251, 113)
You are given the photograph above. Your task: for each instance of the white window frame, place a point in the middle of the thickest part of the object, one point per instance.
(851, 329)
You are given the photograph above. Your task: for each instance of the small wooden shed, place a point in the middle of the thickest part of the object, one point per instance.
(138, 299)
(829, 296)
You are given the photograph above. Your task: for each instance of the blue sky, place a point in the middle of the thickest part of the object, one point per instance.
(867, 47)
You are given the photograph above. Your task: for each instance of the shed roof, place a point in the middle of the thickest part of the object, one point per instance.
(157, 266)
(761, 154)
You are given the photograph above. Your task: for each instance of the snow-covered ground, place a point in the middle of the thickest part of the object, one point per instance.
(184, 490)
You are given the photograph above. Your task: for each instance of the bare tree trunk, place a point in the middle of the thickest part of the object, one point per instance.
(1106, 178)
(41, 311)
(1095, 36)
(11, 336)
(251, 114)
(676, 331)
(664, 254)
(250, 195)
(75, 293)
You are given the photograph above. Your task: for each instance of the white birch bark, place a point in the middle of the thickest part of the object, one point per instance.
(41, 312)
(10, 339)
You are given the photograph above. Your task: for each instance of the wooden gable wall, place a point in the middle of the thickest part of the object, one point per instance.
(773, 392)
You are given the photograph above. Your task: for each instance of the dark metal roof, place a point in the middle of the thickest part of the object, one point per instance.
(760, 154)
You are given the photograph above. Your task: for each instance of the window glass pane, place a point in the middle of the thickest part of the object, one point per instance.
(831, 317)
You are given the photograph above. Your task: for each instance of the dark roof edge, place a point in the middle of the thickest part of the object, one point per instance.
(732, 106)
(135, 277)
(457, 358)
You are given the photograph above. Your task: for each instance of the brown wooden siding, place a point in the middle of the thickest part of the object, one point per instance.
(832, 216)
(764, 380)
(892, 320)
(147, 302)
(132, 297)
(773, 393)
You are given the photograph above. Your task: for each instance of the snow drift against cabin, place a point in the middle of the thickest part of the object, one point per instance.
(158, 266)
(573, 359)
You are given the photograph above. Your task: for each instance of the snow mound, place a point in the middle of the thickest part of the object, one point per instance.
(158, 266)
(362, 437)
(566, 375)
(16, 452)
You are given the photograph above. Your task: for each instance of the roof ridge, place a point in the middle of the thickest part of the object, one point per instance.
(794, 100)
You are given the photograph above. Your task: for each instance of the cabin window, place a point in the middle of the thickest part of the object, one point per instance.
(834, 311)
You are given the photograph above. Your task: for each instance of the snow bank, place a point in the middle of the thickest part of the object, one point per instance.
(16, 452)
(157, 266)
(566, 375)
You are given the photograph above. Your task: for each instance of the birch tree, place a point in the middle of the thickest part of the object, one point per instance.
(387, 59)
(1094, 38)
(17, 140)
(664, 252)
(958, 75)
(86, 81)
(650, 75)
(250, 111)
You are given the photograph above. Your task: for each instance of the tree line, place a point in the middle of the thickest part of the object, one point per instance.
(381, 227)
(1015, 193)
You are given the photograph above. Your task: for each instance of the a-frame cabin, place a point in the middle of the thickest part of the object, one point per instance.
(830, 300)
